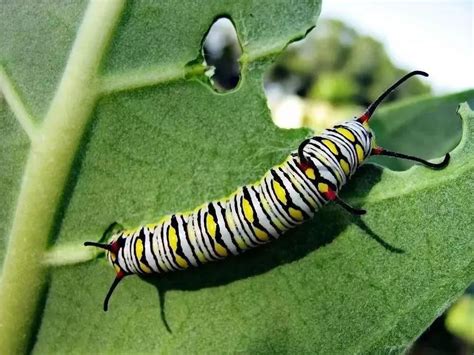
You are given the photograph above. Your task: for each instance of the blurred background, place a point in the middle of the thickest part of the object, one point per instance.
(355, 52)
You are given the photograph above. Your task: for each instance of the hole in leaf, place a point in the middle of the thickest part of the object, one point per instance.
(221, 51)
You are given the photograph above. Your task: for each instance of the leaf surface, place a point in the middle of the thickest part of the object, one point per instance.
(148, 138)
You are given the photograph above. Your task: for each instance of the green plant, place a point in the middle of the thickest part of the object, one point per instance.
(133, 131)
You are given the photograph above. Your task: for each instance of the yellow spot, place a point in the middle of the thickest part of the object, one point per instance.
(280, 192)
(211, 228)
(296, 214)
(248, 211)
(139, 249)
(173, 240)
(344, 166)
(139, 252)
(360, 152)
(346, 133)
(323, 187)
(117, 268)
(220, 249)
(211, 225)
(262, 235)
(310, 173)
(145, 268)
(330, 145)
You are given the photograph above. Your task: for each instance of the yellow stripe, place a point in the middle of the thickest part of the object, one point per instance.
(211, 225)
(310, 173)
(248, 211)
(360, 152)
(262, 235)
(211, 228)
(296, 214)
(344, 166)
(330, 145)
(280, 192)
(139, 253)
(173, 240)
(346, 133)
(322, 187)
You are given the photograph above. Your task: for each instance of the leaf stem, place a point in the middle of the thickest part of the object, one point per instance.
(46, 173)
(18, 108)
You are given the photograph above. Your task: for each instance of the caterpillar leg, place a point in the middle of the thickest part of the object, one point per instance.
(440, 165)
(331, 196)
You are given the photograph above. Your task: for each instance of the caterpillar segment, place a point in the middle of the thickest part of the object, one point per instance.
(286, 196)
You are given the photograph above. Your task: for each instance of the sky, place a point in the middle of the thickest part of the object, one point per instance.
(436, 36)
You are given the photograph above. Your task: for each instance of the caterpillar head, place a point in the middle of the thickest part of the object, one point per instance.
(113, 255)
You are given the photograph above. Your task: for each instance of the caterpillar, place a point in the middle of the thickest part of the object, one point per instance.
(286, 196)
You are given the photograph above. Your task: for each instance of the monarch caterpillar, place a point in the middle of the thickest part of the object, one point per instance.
(287, 195)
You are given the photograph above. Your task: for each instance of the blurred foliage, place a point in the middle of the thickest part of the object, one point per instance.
(339, 65)
(221, 50)
(460, 318)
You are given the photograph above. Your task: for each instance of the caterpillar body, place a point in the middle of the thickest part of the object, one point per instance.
(286, 196)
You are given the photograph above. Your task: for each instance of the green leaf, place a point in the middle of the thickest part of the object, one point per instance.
(140, 136)
(425, 127)
(118, 125)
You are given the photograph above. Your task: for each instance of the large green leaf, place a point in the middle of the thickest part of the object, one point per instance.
(120, 127)
(142, 137)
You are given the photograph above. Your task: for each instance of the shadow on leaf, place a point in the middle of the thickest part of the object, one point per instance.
(294, 245)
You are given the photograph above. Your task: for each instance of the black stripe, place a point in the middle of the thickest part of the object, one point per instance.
(301, 176)
(256, 222)
(218, 237)
(141, 236)
(275, 205)
(234, 207)
(258, 197)
(151, 233)
(289, 201)
(232, 237)
(179, 249)
(162, 253)
(201, 223)
(169, 255)
(303, 197)
(186, 235)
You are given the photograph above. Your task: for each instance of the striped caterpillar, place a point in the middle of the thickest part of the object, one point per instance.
(286, 196)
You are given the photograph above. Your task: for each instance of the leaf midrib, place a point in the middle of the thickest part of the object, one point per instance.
(54, 144)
